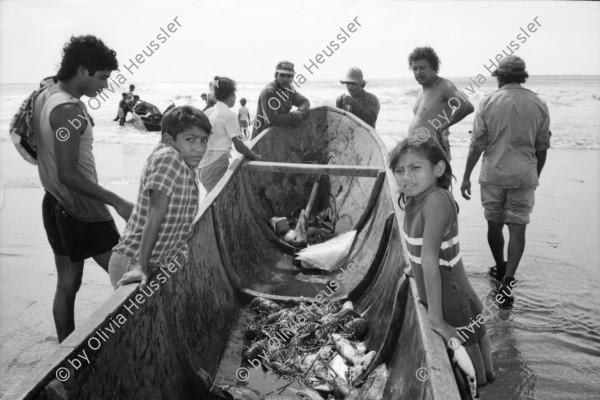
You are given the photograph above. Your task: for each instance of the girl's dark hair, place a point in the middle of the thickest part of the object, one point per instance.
(182, 118)
(223, 87)
(88, 51)
(432, 151)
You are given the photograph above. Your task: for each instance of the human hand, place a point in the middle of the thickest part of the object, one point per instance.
(124, 208)
(465, 189)
(136, 274)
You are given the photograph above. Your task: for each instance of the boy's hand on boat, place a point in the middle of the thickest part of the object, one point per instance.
(134, 275)
(465, 189)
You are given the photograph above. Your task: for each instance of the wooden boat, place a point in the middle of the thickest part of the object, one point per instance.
(173, 342)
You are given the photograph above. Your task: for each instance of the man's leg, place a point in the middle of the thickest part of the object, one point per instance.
(68, 283)
(496, 242)
(516, 247)
(103, 259)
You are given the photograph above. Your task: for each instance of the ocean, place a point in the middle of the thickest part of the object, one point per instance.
(547, 347)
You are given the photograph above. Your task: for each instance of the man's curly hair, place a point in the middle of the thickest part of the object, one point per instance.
(424, 53)
(88, 51)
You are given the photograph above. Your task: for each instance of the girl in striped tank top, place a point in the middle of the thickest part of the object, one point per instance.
(423, 175)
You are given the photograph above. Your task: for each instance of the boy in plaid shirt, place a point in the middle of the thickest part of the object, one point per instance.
(162, 220)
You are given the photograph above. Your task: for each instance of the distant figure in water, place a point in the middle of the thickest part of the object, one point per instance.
(122, 110)
(439, 105)
(130, 93)
(210, 99)
(512, 131)
(244, 120)
(360, 102)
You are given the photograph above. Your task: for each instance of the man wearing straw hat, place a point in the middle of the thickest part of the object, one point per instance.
(360, 102)
(276, 100)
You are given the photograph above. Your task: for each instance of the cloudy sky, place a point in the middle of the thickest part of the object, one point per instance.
(245, 39)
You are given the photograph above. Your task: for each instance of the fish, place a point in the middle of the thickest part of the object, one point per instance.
(338, 365)
(339, 387)
(356, 328)
(266, 305)
(362, 366)
(332, 321)
(279, 368)
(361, 348)
(346, 349)
(322, 372)
(274, 317)
(305, 393)
(375, 384)
(253, 351)
(460, 358)
(310, 278)
(237, 392)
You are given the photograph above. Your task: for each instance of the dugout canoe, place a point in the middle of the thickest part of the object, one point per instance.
(172, 343)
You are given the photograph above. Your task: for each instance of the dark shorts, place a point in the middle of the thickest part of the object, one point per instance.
(73, 238)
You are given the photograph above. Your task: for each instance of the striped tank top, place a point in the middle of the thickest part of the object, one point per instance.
(460, 303)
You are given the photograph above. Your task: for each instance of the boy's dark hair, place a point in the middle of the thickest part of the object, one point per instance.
(136, 97)
(182, 118)
(508, 77)
(243, 101)
(428, 149)
(88, 51)
(131, 87)
(424, 53)
(223, 87)
(124, 95)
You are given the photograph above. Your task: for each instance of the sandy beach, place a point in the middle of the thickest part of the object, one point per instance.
(549, 341)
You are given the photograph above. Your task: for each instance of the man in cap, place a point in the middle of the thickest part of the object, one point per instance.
(439, 105)
(276, 100)
(360, 102)
(511, 129)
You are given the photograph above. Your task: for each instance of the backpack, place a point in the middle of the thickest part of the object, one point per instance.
(21, 126)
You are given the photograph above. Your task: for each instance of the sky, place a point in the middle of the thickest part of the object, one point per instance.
(245, 39)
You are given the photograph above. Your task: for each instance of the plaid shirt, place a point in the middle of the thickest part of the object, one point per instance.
(167, 172)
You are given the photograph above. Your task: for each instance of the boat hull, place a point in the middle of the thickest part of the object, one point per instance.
(171, 337)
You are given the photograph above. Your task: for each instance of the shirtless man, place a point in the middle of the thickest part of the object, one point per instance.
(440, 105)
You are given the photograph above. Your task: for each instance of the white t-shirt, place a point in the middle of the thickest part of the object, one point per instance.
(225, 126)
(244, 114)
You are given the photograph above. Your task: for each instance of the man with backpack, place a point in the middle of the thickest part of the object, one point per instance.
(75, 214)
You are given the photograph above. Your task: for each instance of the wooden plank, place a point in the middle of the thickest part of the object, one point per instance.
(322, 169)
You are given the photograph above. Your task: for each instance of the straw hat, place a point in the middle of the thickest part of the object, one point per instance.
(354, 75)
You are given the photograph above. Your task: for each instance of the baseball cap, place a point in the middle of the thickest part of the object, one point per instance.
(285, 67)
(510, 65)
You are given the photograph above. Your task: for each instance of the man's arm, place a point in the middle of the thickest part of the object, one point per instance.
(455, 99)
(243, 149)
(158, 204)
(369, 112)
(541, 160)
(64, 119)
(472, 159)
(272, 117)
(301, 102)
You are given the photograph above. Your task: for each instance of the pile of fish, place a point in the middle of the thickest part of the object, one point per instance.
(315, 344)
